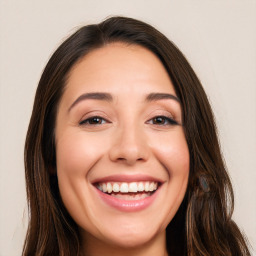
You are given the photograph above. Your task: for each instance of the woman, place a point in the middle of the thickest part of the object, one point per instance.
(121, 155)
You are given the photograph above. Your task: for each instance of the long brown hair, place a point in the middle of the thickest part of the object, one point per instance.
(203, 224)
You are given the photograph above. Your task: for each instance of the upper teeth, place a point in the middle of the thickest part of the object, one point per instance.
(125, 187)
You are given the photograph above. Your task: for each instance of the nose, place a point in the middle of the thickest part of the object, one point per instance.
(129, 146)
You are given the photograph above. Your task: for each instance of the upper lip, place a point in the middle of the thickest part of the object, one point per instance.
(126, 178)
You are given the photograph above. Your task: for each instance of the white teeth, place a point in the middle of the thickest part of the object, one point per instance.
(140, 187)
(104, 187)
(133, 187)
(130, 197)
(151, 186)
(124, 187)
(146, 186)
(99, 187)
(109, 187)
(115, 187)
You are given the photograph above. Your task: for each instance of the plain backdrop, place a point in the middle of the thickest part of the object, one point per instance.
(217, 37)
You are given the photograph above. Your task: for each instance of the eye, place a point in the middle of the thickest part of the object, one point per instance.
(162, 120)
(95, 120)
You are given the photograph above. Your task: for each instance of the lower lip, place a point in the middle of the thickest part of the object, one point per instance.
(128, 205)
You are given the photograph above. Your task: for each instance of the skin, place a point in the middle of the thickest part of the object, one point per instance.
(126, 140)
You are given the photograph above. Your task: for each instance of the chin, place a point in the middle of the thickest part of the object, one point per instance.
(131, 241)
(131, 237)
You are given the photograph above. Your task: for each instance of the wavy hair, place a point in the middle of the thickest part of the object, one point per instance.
(203, 225)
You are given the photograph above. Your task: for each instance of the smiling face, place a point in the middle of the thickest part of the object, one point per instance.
(122, 157)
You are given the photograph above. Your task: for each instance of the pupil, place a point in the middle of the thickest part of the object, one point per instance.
(95, 120)
(159, 120)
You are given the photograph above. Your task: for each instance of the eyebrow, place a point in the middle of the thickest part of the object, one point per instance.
(92, 96)
(161, 96)
(108, 97)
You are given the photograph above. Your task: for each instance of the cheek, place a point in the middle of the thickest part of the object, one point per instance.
(174, 155)
(77, 153)
(172, 151)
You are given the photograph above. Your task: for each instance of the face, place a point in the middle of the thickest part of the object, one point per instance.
(122, 157)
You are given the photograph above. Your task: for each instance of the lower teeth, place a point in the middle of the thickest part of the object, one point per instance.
(131, 196)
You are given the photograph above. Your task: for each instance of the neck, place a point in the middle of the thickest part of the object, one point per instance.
(94, 247)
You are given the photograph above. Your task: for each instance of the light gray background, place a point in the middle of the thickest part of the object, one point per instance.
(218, 38)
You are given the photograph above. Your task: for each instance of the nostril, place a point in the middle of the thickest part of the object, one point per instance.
(130, 160)
(121, 158)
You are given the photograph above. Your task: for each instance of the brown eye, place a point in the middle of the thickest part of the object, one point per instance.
(95, 120)
(158, 120)
(162, 120)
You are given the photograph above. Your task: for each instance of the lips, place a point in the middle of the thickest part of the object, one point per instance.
(128, 193)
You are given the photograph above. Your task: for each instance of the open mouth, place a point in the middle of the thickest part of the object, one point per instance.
(129, 191)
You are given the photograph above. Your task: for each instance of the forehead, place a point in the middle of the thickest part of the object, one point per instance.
(131, 68)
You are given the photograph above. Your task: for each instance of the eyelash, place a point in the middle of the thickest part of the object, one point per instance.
(93, 118)
(162, 121)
